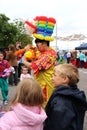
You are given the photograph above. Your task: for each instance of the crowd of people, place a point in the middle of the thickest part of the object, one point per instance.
(77, 58)
(47, 95)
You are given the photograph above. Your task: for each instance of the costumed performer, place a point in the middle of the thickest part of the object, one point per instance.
(45, 59)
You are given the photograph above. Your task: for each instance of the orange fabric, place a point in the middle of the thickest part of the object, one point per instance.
(19, 52)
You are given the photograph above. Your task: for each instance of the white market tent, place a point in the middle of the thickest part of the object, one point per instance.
(69, 42)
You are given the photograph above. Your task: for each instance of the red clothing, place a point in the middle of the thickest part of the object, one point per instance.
(44, 61)
(4, 64)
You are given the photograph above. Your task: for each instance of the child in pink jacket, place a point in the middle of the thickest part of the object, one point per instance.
(26, 108)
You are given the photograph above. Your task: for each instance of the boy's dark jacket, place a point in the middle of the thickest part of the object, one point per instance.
(66, 109)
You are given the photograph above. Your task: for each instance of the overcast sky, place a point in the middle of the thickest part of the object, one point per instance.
(71, 15)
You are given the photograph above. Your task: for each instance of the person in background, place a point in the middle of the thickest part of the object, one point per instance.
(82, 57)
(13, 78)
(19, 59)
(68, 56)
(58, 56)
(65, 57)
(26, 108)
(67, 105)
(77, 59)
(4, 73)
(25, 73)
(5, 52)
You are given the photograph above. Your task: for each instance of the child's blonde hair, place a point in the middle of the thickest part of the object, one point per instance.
(70, 71)
(28, 93)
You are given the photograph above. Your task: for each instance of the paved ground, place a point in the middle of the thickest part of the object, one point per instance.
(82, 85)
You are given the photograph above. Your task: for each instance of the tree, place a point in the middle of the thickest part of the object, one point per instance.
(8, 31)
(21, 35)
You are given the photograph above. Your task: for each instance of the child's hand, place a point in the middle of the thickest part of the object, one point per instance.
(8, 74)
(27, 47)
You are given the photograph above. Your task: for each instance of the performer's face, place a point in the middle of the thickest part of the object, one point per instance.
(40, 46)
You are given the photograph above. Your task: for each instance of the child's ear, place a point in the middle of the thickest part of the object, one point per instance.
(66, 80)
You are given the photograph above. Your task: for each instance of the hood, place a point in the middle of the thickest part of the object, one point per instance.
(29, 116)
(74, 94)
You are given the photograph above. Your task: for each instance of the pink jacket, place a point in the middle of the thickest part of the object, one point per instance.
(23, 118)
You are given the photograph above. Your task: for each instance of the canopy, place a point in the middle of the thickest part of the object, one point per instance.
(81, 47)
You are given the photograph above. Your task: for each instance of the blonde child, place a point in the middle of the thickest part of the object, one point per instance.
(66, 107)
(25, 73)
(26, 108)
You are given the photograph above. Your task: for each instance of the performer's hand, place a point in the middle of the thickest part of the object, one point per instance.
(24, 59)
(25, 62)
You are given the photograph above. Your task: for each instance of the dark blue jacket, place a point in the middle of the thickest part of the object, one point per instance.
(66, 109)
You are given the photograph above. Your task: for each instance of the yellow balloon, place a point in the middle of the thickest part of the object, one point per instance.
(30, 55)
